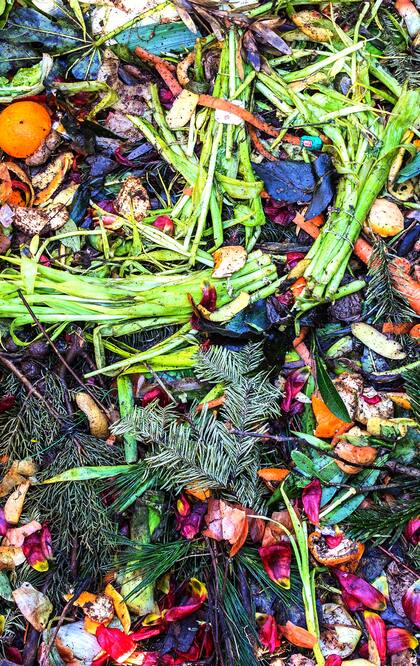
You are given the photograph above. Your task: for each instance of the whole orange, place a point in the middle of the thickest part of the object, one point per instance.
(23, 127)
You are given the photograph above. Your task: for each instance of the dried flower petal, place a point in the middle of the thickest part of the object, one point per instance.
(398, 639)
(268, 634)
(412, 531)
(333, 660)
(377, 636)
(196, 596)
(276, 561)
(298, 636)
(294, 384)
(411, 603)
(115, 642)
(165, 224)
(311, 500)
(360, 590)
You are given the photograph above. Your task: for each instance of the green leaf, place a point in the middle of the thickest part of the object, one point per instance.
(365, 478)
(329, 393)
(311, 439)
(5, 588)
(88, 473)
(5, 7)
(411, 170)
(73, 242)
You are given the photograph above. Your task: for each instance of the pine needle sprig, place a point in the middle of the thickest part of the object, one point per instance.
(248, 557)
(383, 295)
(220, 365)
(240, 626)
(382, 522)
(150, 561)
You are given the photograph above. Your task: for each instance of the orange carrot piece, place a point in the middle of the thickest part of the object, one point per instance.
(328, 425)
(302, 335)
(217, 402)
(273, 473)
(306, 356)
(306, 225)
(259, 146)
(298, 286)
(318, 220)
(397, 329)
(415, 331)
(163, 68)
(224, 105)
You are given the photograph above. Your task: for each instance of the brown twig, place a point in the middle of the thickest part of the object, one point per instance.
(61, 357)
(7, 363)
(398, 561)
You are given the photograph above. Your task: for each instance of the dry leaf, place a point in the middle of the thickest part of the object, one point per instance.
(226, 523)
(132, 200)
(36, 221)
(35, 607)
(228, 260)
(120, 606)
(14, 504)
(16, 535)
(49, 179)
(16, 474)
(11, 557)
(98, 423)
(182, 109)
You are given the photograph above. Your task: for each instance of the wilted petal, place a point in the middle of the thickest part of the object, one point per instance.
(209, 297)
(196, 595)
(294, 384)
(311, 500)
(144, 633)
(183, 507)
(298, 636)
(46, 542)
(377, 635)
(333, 660)
(165, 224)
(190, 524)
(360, 590)
(35, 556)
(115, 642)
(276, 561)
(412, 531)
(398, 639)
(411, 603)
(351, 602)
(3, 523)
(268, 634)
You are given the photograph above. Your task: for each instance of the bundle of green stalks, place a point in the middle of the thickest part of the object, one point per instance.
(363, 141)
(221, 177)
(138, 302)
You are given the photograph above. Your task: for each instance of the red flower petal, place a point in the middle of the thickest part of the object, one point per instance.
(46, 542)
(333, 660)
(183, 506)
(197, 595)
(33, 551)
(361, 590)
(144, 633)
(209, 297)
(115, 642)
(311, 500)
(398, 640)
(333, 541)
(3, 523)
(268, 634)
(294, 384)
(165, 224)
(351, 603)
(276, 561)
(412, 531)
(411, 603)
(6, 402)
(377, 635)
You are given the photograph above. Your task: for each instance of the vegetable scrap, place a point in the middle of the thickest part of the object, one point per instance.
(209, 330)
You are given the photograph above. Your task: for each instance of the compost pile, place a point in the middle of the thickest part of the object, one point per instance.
(209, 330)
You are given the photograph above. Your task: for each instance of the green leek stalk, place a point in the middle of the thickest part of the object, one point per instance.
(126, 404)
(145, 520)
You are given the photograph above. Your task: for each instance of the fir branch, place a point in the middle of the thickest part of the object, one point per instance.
(412, 386)
(382, 294)
(382, 522)
(220, 365)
